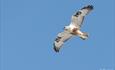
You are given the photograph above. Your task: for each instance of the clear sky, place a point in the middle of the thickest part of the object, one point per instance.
(29, 27)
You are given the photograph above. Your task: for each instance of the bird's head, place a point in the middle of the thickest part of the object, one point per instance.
(66, 27)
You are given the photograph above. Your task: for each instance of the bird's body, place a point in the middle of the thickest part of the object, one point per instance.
(73, 29)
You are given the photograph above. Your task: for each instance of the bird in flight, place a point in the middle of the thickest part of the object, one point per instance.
(73, 29)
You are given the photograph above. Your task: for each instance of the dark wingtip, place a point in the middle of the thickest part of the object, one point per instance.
(88, 7)
(55, 49)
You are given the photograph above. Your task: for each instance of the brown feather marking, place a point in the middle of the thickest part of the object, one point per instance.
(74, 31)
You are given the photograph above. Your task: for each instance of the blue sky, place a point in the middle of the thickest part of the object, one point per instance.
(29, 27)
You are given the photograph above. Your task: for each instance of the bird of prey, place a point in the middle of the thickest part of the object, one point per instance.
(73, 29)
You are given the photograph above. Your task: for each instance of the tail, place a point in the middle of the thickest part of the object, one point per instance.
(84, 36)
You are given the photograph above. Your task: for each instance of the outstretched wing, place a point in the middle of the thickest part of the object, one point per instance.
(61, 38)
(78, 17)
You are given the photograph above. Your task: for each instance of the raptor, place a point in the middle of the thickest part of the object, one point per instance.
(73, 29)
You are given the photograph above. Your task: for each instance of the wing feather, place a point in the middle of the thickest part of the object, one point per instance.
(61, 38)
(78, 17)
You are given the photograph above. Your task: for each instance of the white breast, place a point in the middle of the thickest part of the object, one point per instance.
(72, 26)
